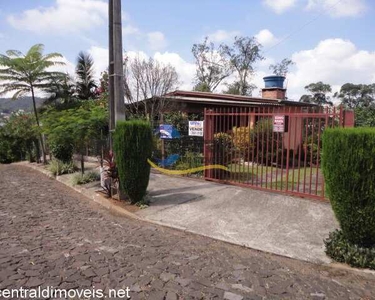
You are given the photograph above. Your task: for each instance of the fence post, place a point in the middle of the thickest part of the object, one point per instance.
(349, 118)
(207, 136)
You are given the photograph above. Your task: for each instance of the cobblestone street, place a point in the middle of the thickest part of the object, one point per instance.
(53, 236)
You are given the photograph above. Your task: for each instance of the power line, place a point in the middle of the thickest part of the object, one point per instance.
(300, 28)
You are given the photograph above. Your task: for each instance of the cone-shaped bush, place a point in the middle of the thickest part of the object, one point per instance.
(349, 172)
(132, 143)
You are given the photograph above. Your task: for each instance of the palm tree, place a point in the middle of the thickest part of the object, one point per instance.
(62, 90)
(25, 74)
(86, 84)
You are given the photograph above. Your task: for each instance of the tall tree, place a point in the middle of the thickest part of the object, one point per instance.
(318, 94)
(148, 79)
(282, 68)
(242, 56)
(361, 98)
(236, 88)
(61, 90)
(211, 66)
(86, 84)
(26, 73)
(357, 95)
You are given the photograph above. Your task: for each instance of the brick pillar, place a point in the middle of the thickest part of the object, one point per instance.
(274, 93)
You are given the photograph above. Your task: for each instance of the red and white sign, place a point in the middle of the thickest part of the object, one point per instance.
(279, 124)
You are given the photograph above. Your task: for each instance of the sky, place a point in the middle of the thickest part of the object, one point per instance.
(329, 40)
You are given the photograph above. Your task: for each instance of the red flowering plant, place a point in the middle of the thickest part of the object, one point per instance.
(110, 173)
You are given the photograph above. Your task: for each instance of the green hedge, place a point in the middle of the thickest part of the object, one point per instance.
(133, 144)
(348, 163)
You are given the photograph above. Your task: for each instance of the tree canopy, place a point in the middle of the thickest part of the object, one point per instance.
(23, 74)
(282, 68)
(86, 83)
(357, 95)
(212, 67)
(242, 56)
(318, 94)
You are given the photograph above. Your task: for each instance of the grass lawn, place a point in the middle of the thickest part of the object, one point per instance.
(257, 175)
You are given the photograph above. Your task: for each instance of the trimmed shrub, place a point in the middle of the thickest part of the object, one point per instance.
(61, 150)
(348, 163)
(133, 143)
(338, 248)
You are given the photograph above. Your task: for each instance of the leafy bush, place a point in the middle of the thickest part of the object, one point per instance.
(18, 138)
(57, 167)
(61, 149)
(241, 140)
(348, 163)
(223, 147)
(91, 176)
(338, 248)
(8, 148)
(262, 137)
(133, 144)
(189, 161)
(311, 150)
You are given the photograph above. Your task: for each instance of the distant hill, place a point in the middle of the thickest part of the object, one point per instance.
(25, 103)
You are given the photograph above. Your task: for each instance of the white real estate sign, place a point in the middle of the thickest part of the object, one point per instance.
(195, 128)
(279, 123)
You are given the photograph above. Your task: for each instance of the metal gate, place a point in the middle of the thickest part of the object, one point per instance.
(271, 148)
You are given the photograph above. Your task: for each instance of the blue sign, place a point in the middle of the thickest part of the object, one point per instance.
(168, 132)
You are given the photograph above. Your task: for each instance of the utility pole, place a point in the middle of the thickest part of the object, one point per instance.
(111, 102)
(118, 75)
(115, 70)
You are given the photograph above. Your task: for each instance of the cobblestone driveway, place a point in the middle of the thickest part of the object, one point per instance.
(52, 236)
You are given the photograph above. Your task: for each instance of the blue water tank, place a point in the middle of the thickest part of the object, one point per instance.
(274, 81)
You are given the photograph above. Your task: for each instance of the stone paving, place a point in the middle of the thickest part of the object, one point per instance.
(52, 236)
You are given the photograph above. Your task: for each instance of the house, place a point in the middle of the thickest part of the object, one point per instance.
(192, 102)
(273, 100)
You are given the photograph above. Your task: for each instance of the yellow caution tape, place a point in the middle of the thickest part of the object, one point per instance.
(188, 171)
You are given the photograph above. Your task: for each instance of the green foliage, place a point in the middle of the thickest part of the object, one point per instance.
(348, 163)
(212, 67)
(262, 138)
(133, 146)
(18, 138)
(357, 95)
(23, 74)
(311, 148)
(86, 84)
(365, 116)
(202, 87)
(318, 94)
(223, 147)
(91, 176)
(242, 56)
(57, 167)
(61, 90)
(61, 149)
(242, 139)
(9, 148)
(76, 126)
(190, 160)
(240, 88)
(282, 68)
(341, 250)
